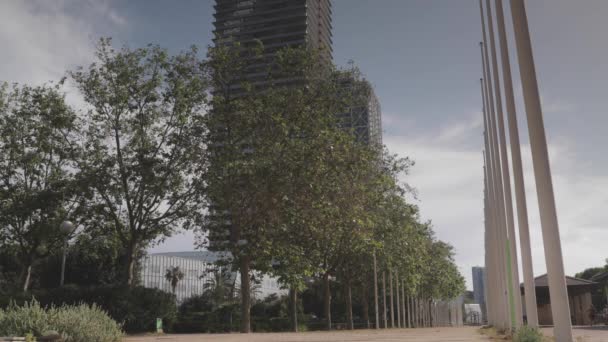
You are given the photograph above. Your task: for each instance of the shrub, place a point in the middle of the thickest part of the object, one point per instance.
(225, 318)
(528, 334)
(135, 308)
(81, 323)
(84, 323)
(20, 320)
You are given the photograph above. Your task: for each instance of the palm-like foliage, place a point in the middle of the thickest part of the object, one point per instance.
(173, 275)
(219, 288)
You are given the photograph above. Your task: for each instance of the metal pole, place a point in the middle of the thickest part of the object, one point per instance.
(542, 174)
(489, 269)
(497, 199)
(63, 258)
(492, 269)
(376, 292)
(518, 175)
(512, 267)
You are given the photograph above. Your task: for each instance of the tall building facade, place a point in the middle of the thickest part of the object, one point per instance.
(295, 23)
(364, 117)
(479, 289)
(276, 23)
(279, 24)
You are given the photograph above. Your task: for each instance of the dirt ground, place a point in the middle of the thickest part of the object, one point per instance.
(392, 335)
(585, 334)
(581, 334)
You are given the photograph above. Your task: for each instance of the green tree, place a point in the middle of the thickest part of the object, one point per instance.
(173, 275)
(267, 138)
(144, 143)
(219, 288)
(37, 131)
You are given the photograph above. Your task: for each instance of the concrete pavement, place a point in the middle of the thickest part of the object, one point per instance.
(392, 335)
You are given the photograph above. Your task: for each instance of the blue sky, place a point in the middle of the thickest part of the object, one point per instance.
(423, 58)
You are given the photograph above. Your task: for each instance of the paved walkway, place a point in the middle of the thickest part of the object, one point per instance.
(585, 334)
(390, 335)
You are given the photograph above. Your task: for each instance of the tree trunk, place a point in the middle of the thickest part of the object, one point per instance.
(384, 299)
(365, 303)
(390, 281)
(293, 296)
(327, 301)
(245, 296)
(376, 312)
(131, 265)
(349, 306)
(409, 311)
(416, 312)
(28, 278)
(403, 310)
(398, 306)
(426, 312)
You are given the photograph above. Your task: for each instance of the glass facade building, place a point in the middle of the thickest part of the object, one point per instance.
(198, 269)
(479, 289)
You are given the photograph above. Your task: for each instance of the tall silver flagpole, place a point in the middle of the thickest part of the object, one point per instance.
(496, 286)
(489, 224)
(512, 266)
(486, 313)
(495, 270)
(518, 175)
(499, 206)
(542, 174)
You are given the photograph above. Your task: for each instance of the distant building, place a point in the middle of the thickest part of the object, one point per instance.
(472, 314)
(364, 117)
(198, 267)
(479, 289)
(579, 298)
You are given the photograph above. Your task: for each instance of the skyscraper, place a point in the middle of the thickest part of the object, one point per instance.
(296, 23)
(276, 23)
(364, 117)
(479, 289)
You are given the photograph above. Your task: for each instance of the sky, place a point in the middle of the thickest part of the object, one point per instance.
(422, 56)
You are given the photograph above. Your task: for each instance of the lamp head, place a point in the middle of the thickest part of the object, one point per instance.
(67, 227)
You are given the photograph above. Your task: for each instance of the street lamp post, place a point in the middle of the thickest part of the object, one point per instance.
(67, 227)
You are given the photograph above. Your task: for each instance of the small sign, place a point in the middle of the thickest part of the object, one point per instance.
(159, 325)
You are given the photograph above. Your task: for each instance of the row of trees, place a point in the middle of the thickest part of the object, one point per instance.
(248, 153)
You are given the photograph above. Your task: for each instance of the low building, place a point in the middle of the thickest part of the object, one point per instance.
(600, 297)
(198, 268)
(472, 314)
(579, 297)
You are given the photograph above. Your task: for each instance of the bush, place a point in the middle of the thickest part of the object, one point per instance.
(197, 314)
(21, 320)
(225, 318)
(135, 308)
(528, 334)
(84, 323)
(81, 323)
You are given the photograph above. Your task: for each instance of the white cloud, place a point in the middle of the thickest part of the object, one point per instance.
(555, 106)
(580, 200)
(448, 177)
(42, 39)
(460, 130)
